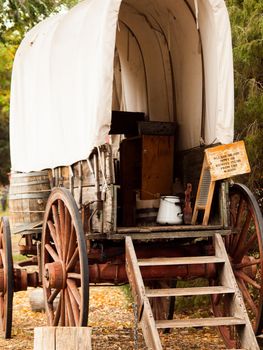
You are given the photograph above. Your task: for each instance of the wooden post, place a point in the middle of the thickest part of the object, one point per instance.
(62, 338)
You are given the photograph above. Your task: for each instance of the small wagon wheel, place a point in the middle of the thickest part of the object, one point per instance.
(245, 251)
(64, 262)
(6, 279)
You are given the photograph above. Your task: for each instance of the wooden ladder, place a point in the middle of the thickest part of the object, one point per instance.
(149, 325)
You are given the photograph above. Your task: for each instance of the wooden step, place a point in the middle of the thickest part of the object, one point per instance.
(180, 261)
(200, 322)
(178, 292)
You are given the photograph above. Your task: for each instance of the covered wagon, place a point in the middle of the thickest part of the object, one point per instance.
(114, 106)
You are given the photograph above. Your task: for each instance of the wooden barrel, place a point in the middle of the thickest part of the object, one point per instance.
(28, 196)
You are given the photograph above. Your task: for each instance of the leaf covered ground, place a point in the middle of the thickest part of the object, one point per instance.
(112, 321)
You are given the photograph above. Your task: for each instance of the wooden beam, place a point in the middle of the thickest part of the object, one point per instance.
(62, 338)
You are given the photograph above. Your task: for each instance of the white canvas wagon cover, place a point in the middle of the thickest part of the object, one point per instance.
(171, 59)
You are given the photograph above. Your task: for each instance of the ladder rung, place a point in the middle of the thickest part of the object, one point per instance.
(177, 292)
(180, 261)
(200, 322)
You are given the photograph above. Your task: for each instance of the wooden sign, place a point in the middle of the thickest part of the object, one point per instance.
(219, 163)
(227, 160)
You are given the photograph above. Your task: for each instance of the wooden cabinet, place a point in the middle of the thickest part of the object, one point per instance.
(146, 165)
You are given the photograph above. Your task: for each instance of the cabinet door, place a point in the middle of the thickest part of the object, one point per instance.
(157, 166)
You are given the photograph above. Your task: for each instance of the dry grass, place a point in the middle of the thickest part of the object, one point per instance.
(112, 322)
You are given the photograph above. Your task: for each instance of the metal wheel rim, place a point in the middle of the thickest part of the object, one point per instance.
(72, 309)
(6, 262)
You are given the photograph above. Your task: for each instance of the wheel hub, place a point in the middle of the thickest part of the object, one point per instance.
(251, 270)
(248, 265)
(55, 275)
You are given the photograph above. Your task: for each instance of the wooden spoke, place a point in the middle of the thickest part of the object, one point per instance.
(61, 209)
(69, 310)
(66, 234)
(57, 314)
(73, 288)
(247, 264)
(240, 239)
(240, 213)
(74, 275)
(52, 252)
(53, 296)
(73, 260)
(75, 307)
(57, 226)
(62, 225)
(246, 278)
(247, 296)
(62, 308)
(56, 218)
(2, 255)
(72, 244)
(245, 247)
(52, 230)
(53, 234)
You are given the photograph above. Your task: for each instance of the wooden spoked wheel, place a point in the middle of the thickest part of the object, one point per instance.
(245, 251)
(6, 279)
(64, 262)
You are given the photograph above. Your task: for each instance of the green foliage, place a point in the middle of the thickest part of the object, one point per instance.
(247, 32)
(7, 52)
(16, 17)
(21, 15)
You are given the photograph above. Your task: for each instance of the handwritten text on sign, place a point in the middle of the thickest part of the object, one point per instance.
(227, 160)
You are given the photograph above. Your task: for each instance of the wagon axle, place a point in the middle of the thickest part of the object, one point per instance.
(22, 280)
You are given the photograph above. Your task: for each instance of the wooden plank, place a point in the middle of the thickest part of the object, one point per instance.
(62, 338)
(157, 166)
(44, 338)
(164, 228)
(149, 329)
(227, 160)
(73, 338)
(201, 322)
(192, 260)
(134, 275)
(89, 196)
(178, 292)
(145, 315)
(158, 235)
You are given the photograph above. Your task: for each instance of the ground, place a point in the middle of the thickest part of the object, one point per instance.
(112, 322)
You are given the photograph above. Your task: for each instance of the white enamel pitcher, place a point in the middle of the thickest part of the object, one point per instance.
(170, 212)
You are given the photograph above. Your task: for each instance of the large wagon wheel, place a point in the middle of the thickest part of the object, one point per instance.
(6, 279)
(245, 250)
(64, 262)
